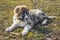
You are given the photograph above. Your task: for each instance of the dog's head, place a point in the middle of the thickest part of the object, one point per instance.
(21, 12)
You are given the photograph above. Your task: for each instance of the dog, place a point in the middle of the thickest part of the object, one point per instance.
(23, 17)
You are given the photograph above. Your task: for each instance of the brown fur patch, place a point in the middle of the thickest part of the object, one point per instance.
(20, 10)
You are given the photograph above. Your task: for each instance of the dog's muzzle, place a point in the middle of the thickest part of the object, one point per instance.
(24, 17)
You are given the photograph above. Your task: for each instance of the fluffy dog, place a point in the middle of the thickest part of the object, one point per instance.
(26, 18)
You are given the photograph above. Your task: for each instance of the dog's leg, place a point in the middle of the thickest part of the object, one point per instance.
(14, 25)
(44, 21)
(27, 28)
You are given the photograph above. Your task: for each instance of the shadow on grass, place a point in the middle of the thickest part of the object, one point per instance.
(41, 29)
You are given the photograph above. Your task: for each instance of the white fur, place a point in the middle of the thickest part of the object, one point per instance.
(17, 23)
(26, 29)
(44, 21)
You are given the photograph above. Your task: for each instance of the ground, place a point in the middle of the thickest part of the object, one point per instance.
(50, 7)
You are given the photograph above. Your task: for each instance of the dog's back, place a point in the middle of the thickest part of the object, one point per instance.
(36, 11)
(37, 15)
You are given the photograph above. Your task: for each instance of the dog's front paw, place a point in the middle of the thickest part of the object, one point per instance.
(24, 33)
(8, 29)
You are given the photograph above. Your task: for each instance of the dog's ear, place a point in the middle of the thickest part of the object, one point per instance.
(16, 10)
(20, 8)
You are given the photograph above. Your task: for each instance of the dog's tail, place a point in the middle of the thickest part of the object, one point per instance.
(52, 17)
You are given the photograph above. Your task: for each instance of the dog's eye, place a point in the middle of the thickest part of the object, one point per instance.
(27, 13)
(21, 13)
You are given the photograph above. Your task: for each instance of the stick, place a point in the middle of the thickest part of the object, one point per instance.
(14, 33)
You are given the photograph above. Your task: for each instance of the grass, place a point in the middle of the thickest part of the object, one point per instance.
(50, 7)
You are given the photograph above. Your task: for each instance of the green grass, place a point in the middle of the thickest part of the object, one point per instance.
(51, 7)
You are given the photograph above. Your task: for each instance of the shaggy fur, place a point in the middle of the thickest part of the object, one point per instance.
(26, 18)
